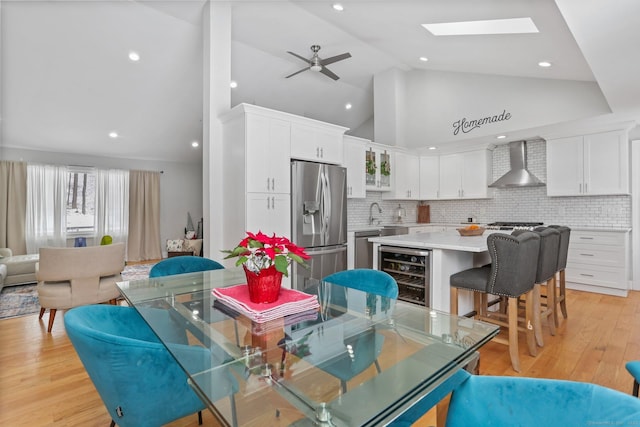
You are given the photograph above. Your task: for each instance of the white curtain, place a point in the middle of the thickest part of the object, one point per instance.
(46, 222)
(112, 205)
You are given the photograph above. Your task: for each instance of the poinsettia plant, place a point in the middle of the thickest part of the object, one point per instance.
(258, 252)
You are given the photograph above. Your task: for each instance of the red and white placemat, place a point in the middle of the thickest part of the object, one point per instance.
(289, 302)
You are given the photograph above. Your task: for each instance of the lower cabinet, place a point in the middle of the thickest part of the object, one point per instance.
(597, 261)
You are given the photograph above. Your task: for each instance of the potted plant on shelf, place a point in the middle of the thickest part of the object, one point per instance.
(264, 260)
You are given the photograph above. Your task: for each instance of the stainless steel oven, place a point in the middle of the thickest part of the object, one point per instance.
(412, 270)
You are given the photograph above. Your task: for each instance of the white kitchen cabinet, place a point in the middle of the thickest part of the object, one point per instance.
(316, 141)
(597, 261)
(465, 175)
(588, 165)
(267, 145)
(269, 213)
(429, 177)
(406, 177)
(378, 168)
(354, 161)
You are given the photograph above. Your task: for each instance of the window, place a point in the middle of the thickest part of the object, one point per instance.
(81, 201)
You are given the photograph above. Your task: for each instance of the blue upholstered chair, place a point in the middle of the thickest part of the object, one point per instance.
(634, 369)
(362, 350)
(139, 381)
(531, 402)
(183, 264)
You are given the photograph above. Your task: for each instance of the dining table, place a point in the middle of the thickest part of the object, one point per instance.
(356, 359)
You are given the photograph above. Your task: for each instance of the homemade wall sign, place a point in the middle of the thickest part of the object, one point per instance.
(467, 126)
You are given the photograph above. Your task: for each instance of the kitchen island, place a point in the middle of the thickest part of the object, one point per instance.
(450, 253)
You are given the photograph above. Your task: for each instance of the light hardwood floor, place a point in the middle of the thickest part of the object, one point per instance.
(43, 383)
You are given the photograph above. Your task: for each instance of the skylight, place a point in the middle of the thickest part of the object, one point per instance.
(494, 26)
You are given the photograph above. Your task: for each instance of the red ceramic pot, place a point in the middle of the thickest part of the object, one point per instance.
(264, 287)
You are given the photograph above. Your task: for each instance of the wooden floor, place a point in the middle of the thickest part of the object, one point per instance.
(43, 383)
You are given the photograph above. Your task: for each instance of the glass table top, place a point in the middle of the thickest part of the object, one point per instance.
(360, 359)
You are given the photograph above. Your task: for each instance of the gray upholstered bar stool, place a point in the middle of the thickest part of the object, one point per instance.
(546, 275)
(565, 236)
(511, 275)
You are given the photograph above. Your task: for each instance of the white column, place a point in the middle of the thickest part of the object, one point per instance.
(216, 100)
(635, 214)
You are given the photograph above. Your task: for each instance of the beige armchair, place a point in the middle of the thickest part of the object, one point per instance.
(69, 277)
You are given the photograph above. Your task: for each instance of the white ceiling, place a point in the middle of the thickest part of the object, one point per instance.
(67, 81)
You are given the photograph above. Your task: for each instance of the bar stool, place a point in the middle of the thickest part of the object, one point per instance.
(511, 274)
(546, 275)
(565, 235)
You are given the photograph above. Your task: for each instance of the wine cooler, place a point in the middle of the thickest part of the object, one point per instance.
(411, 269)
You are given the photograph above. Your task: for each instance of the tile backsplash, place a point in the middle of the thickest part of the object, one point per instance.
(513, 204)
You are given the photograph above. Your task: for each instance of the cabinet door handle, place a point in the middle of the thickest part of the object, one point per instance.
(273, 203)
(586, 187)
(321, 152)
(267, 203)
(586, 275)
(317, 151)
(587, 254)
(267, 184)
(580, 188)
(586, 238)
(273, 184)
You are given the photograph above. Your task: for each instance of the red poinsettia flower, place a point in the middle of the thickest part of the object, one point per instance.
(260, 251)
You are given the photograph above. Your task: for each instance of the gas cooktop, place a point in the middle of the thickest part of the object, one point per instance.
(505, 225)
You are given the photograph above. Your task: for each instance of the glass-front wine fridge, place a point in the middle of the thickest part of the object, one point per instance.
(411, 269)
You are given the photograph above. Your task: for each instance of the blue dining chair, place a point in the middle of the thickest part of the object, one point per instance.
(362, 350)
(634, 369)
(182, 265)
(138, 380)
(532, 402)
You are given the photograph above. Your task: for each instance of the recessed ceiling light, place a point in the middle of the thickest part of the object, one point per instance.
(501, 136)
(544, 64)
(195, 144)
(432, 148)
(338, 7)
(424, 59)
(494, 26)
(113, 134)
(233, 84)
(134, 56)
(348, 106)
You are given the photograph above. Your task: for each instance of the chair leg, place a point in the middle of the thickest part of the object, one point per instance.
(52, 316)
(42, 310)
(635, 388)
(513, 334)
(563, 294)
(199, 418)
(537, 321)
(113, 424)
(453, 303)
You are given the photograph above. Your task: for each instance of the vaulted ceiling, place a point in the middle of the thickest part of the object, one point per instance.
(67, 81)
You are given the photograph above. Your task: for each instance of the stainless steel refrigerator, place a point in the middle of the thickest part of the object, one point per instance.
(318, 219)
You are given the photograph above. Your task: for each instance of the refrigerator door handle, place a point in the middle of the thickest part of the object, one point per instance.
(326, 205)
(326, 250)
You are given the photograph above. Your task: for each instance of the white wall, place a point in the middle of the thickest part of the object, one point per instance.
(180, 184)
(434, 100)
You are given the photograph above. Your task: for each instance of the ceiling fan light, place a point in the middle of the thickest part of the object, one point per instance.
(315, 67)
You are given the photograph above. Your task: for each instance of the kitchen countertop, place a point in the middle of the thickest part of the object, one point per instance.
(449, 240)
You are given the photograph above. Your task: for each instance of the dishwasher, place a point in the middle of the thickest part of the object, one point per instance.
(363, 251)
(411, 269)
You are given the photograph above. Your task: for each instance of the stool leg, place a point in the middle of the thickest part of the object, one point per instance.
(513, 333)
(550, 311)
(52, 316)
(529, 310)
(563, 295)
(537, 321)
(453, 303)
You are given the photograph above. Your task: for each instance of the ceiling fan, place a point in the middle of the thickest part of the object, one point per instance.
(318, 64)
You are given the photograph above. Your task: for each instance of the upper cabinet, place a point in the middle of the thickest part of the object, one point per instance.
(406, 177)
(429, 177)
(378, 168)
(354, 161)
(316, 141)
(465, 175)
(588, 165)
(267, 145)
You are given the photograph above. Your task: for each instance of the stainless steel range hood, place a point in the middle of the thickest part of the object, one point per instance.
(518, 176)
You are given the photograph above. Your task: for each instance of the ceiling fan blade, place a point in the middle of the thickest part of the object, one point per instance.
(329, 73)
(336, 58)
(297, 72)
(308, 61)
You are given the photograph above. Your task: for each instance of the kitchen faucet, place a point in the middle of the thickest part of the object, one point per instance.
(371, 218)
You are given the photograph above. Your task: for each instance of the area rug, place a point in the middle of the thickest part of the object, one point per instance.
(22, 300)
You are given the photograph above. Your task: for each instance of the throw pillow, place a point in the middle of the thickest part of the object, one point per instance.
(174, 245)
